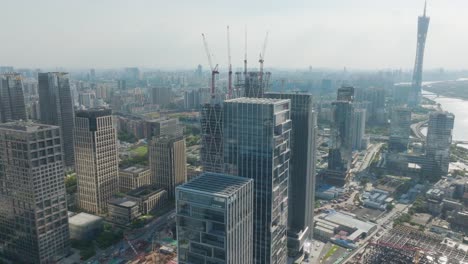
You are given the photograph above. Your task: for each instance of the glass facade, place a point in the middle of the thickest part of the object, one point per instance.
(257, 146)
(214, 220)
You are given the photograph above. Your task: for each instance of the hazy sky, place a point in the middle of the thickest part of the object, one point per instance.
(361, 34)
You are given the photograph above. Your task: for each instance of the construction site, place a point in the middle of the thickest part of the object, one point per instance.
(404, 244)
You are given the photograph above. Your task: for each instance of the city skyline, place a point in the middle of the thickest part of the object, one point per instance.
(116, 34)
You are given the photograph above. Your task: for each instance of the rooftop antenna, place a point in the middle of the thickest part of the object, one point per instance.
(425, 5)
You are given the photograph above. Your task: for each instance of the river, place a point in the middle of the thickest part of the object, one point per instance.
(459, 108)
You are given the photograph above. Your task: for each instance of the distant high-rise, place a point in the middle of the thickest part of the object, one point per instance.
(375, 107)
(12, 106)
(400, 130)
(423, 25)
(439, 140)
(161, 96)
(96, 153)
(302, 169)
(256, 83)
(215, 220)
(358, 128)
(211, 151)
(168, 162)
(256, 134)
(56, 108)
(340, 153)
(33, 206)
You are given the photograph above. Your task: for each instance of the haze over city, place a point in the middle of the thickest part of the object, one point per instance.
(362, 34)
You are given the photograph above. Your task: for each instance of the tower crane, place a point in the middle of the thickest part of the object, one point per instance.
(245, 52)
(229, 64)
(214, 70)
(262, 55)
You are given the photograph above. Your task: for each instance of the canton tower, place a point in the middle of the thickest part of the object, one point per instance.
(423, 25)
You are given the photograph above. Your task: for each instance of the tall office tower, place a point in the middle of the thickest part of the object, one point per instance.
(132, 73)
(161, 96)
(12, 106)
(439, 139)
(121, 85)
(168, 162)
(256, 146)
(400, 130)
(211, 151)
(345, 93)
(256, 83)
(33, 206)
(215, 220)
(340, 153)
(358, 128)
(303, 159)
(96, 155)
(56, 108)
(423, 25)
(375, 97)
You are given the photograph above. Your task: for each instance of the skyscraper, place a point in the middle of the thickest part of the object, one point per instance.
(12, 106)
(358, 128)
(161, 96)
(211, 152)
(56, 108)
(423, 25)
(256, 135)
(214, 220)
(168, 162)
(33, 206)
(302, 169)
(400, 130)
(439, 139)
(96, 155)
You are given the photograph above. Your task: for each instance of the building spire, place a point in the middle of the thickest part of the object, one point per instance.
(425, 5)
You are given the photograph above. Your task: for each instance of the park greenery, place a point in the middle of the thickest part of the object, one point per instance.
(127, 137)
(85, 247)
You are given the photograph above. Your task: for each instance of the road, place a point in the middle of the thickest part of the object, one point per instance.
(416, 128)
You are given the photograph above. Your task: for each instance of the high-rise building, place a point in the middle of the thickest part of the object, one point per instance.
(211, 151)
(439, 140)
(340, 153)
(215, 220)
(56, 108)
(168, 162)
(256, 83)
(12, 106)
(162, 126)
(400, 129)
(358, 128)
(96, 155)
(161, 96)
(303, 159)
(375, 110)
(423, 25)
(256, 134)
(33, 206)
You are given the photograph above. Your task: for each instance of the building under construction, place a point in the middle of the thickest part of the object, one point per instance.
(211, 152)
(405, 244)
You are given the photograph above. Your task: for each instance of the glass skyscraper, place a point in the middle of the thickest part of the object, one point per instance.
(214, 220)
(256, 145)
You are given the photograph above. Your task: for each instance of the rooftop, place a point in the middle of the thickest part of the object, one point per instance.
(83, 219)
(123, 202)
(26, 126)
(135, 169)
(216, 184)
(249, 100)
